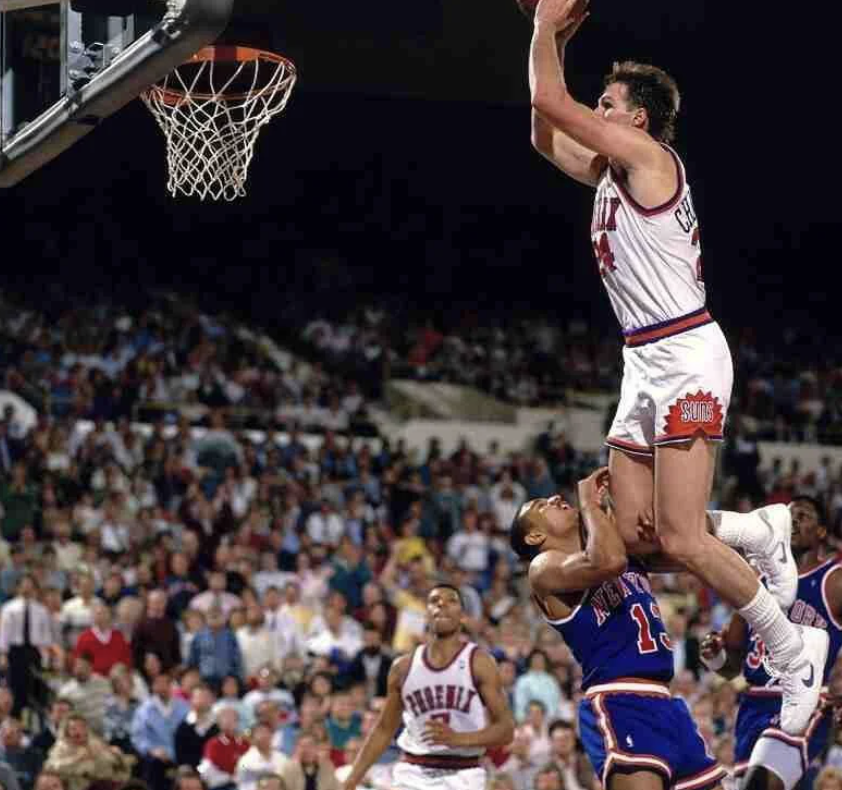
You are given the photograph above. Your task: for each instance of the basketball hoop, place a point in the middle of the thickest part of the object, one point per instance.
(211, 110)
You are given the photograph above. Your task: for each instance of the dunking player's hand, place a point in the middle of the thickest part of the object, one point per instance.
(439, 733)
(565, 16)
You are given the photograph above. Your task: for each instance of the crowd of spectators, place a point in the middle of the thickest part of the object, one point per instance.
(215, 610)
(789, 391)
(105, 361)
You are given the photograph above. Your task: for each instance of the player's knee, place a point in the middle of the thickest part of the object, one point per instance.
(676, 543)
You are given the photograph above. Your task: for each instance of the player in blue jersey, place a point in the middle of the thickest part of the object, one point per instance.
(637, 736)
(766, 757)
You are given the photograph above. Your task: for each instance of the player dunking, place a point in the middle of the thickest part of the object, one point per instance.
(637, 736)
(766, 758)
(677, 367)
(449, 694)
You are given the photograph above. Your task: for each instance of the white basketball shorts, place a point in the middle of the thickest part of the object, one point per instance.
(675, 387)
(407, 776)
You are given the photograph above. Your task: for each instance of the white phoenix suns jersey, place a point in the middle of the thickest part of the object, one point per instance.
(649, 258)
(449, 693)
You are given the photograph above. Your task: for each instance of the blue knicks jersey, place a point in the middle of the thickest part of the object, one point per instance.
(810, 608)
(616, 631)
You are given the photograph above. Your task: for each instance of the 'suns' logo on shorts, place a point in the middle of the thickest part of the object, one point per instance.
(692, 414)
(693, 411)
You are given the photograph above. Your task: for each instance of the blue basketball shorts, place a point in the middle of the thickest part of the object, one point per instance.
(759, 741)
(637, 725)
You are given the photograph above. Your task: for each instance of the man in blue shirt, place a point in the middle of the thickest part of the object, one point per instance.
(153, 731)
(215, 651)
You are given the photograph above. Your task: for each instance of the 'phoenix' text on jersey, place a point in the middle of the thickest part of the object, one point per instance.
(440, 697)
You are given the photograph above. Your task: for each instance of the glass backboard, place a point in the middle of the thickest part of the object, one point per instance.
(65, 66)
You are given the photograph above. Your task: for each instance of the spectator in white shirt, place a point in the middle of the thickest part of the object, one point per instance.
(325, 526)
(77, 613)
(468, 547)
(261, 759)
(269, 575)
(216, 596)
(68, 553)
(506, 498)
(26, 636)
(267, 689)
(114, 531)
(87, 692)
(257, 642)
(335, 631)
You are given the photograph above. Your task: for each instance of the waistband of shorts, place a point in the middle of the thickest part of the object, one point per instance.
(674, 326)
(642, 686)
(444, 762)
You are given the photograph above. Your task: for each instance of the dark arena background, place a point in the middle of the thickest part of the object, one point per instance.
(291, 414)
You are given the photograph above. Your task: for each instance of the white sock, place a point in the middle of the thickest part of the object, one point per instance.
(782, 639)
(745, 531)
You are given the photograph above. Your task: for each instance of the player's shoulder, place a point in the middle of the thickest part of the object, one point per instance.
(483, 664)
(401, 665)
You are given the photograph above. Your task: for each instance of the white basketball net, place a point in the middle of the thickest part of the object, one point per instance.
(211, 112)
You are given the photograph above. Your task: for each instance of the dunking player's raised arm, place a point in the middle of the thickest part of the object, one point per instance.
(565, 153)
(556, 22)
(603, 557)
(500, 728)
(387, 724)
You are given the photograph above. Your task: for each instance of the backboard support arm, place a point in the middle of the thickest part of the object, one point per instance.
(188, 26)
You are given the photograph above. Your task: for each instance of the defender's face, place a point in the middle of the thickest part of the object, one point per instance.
(444, 611)
(614, 107)
(807, 532)
(554, 517)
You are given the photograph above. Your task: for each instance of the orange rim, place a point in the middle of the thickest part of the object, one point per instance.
(222, 54)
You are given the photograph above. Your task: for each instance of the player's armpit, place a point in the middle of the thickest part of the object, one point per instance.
(566, 154)
(553, 572)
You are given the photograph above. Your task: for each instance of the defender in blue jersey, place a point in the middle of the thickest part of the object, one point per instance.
(766, 757)
(637, 736)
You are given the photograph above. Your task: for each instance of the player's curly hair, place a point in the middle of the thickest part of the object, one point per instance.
(654, 90)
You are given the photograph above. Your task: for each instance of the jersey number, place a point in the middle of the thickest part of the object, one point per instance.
(445, 717)
(755, 656)
(645, 641)
(604, 256)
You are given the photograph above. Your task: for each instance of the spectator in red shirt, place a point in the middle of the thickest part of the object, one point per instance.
(223, 752)
(105, 645)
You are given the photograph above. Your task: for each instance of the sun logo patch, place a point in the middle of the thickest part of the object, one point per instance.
(693, 414)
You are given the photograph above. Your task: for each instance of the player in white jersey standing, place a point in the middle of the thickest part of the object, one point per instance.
(677, 367)
(448, 695)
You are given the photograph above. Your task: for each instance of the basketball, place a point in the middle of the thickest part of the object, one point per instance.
(527, 7)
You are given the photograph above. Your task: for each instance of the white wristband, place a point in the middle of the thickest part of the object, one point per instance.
(717, 662)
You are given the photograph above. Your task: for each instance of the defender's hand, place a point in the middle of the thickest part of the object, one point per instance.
(439, 733)
(595, 486)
